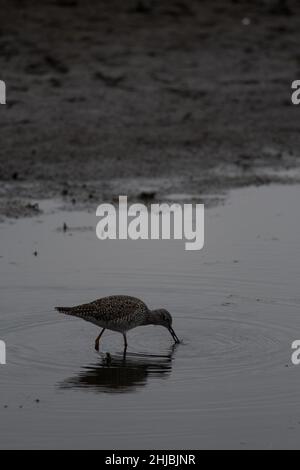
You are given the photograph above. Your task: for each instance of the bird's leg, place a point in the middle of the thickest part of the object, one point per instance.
(125, 343)
(98, 340)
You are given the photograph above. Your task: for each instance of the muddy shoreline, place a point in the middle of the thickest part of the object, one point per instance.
(140, 98)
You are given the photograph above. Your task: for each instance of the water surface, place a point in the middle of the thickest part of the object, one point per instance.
(236, 307)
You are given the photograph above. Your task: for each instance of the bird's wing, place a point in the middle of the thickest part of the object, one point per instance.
(116, 311)
(118, 308)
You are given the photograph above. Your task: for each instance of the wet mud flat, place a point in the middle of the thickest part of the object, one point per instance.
(230, 384)
(189, 96)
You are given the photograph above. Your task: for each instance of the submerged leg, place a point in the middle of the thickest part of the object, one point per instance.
(98, 340)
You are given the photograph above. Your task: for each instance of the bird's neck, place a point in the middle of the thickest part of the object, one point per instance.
(153, 317)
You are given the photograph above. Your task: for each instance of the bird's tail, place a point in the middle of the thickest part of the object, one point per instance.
(65, 310)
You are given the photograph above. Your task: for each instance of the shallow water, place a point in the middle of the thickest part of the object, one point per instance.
(236, 307)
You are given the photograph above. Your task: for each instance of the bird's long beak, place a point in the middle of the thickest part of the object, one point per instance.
(174, 336)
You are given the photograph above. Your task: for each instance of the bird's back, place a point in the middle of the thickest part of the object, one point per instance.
(118, 312)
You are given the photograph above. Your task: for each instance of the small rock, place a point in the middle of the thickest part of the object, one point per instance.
(147, 195)
(246, 21)
(143, 6)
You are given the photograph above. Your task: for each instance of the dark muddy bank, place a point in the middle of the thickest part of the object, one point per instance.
(110, 97)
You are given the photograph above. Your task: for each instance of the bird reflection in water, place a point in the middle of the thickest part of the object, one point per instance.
(119, 373)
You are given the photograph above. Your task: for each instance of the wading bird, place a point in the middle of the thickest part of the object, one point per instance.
(120, 313)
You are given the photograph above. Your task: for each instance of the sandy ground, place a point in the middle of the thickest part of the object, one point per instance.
(110, 97)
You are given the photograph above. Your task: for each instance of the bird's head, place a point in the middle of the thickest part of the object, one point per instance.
(162, 317)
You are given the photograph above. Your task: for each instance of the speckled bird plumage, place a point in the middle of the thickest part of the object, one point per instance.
(117, 313)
